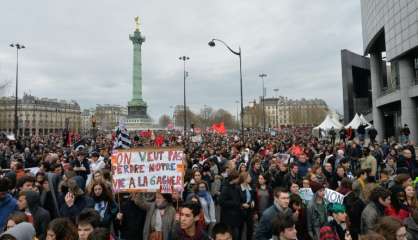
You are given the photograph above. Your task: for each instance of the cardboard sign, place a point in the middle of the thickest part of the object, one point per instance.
(147, 169)
(306, 194)
(333, 196)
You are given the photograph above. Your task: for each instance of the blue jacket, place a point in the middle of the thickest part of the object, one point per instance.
(7, 205)
(264, 231)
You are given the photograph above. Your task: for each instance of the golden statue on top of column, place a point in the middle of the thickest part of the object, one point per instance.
(137, 23)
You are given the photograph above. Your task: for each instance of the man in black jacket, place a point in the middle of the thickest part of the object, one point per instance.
(81, 165)
(230, 202)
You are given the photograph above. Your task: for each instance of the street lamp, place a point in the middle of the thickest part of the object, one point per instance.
(276, 90)
(18, 47)
(237, 102)
(262, 76)
(184, 59)
(212, 44)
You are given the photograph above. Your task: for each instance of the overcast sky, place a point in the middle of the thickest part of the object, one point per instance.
(80, 49)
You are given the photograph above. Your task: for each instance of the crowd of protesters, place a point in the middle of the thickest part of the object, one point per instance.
(234, 188)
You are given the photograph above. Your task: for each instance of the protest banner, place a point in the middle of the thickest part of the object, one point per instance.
(147, 169)
(306, 194)
(333, 196)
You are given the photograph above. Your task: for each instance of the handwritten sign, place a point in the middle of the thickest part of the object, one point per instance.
(333, 196)
(306, 194)
(147, 170)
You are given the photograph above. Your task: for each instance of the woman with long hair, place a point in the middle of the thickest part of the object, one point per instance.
(263, 196)
(104, 203)
(398, 208)
(411, 198)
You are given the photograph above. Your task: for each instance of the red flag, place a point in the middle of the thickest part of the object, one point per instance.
(70, 138)
(159, 140)
(145, 134)
(219, 128)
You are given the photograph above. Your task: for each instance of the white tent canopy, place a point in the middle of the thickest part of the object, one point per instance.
(357, 121)
(329, 123)
(364, 121)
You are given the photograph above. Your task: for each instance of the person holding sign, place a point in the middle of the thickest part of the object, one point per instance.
(317, 210)
(160, 216)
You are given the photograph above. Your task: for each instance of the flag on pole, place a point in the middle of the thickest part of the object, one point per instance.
(122, 137)
(219, 128)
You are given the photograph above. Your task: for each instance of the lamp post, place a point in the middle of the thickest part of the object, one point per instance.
(184, 59)
(262, 76)
(237, 102)
(276, 90)
(173, 119)
(238, 53)
(18, 47)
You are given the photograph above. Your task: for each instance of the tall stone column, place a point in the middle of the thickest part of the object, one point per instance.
(408, 105)
(137, 40)
(137, 108)
(376, 82)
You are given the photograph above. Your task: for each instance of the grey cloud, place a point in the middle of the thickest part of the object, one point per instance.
(81, 50)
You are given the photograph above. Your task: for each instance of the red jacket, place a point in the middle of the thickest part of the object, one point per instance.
(401, 215)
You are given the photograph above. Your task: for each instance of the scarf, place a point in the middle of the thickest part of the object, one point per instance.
(100, 207)
(161, 206)
(205, 195)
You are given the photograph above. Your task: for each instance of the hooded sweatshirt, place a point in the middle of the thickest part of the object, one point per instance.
(22, 231)
(7, 205)
(40, 216)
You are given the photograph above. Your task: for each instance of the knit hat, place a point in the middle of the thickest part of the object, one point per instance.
(337, 208)
(327, 233)
(316, 186)
(22, 231)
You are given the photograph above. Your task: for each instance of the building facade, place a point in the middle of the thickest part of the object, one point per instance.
(282, 111)
(39, 116)
(390, 34)
(357, 95)
(87, 116)
(107, 117)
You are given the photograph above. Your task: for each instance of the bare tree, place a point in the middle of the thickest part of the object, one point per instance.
(224, 116)
(4, 84)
